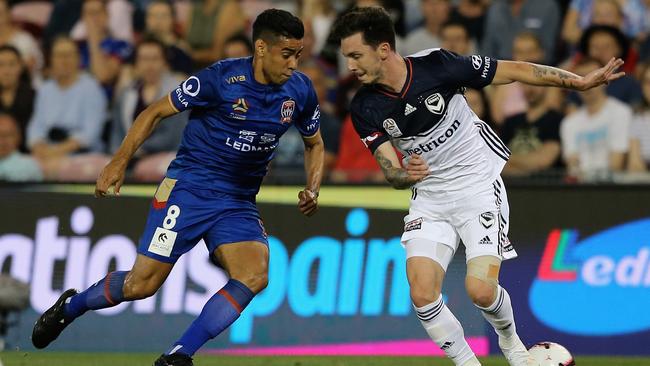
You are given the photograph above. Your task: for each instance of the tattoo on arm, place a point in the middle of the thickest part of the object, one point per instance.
(557, 77)
(397, 177)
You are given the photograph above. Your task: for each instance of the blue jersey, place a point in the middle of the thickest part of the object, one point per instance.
(235, 125)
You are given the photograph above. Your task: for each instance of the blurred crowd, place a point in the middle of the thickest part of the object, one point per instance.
(74, 74)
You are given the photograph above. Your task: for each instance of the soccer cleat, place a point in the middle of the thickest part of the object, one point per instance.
(515, 352)
(48, 327)
(175, 359)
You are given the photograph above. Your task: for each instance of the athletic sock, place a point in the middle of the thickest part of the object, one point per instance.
(500, 314)
(445, 330)
(219, 312)
(103, 294)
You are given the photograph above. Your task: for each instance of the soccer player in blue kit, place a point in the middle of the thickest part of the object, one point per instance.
(240, 108)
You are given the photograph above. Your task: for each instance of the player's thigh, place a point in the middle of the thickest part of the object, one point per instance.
(177, 220)
(482, 279)
(480, 225)
(426, 264)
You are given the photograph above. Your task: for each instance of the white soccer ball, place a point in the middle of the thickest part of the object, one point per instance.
(551, 354)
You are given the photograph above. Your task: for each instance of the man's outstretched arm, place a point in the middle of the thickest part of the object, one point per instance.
(542, 75)
(144, 125)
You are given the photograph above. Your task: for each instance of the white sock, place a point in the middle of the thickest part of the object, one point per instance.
(445, 330)
(500, 314)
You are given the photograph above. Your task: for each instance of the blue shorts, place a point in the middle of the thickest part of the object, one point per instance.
(181, 216)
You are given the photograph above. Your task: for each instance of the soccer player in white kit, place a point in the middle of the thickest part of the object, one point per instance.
(452, 163)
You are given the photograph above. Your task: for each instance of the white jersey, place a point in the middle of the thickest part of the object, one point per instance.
(430, 117)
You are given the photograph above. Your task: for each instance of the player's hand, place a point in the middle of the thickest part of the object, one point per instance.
(603, 75)
(308, 202)
(417, 168)
(111, 175)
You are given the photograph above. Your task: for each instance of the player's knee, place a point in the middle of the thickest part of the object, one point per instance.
(255, 281)
(422, 295)
(481, 293)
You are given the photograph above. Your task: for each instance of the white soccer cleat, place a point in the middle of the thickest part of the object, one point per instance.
(515, 352)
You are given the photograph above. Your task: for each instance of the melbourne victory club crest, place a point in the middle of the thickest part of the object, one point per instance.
(435, 103)
(391, 127)
(487, 219)
(287, 111)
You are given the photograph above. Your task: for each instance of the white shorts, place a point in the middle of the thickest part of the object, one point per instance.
(480, 221)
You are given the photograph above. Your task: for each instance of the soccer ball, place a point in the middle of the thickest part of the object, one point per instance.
(551, 354)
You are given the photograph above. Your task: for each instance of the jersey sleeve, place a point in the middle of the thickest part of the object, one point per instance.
(199, 90)
(371, 135)
(309, 121)
(474, 71)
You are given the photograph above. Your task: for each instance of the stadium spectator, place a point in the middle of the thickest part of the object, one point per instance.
(159, 23)
(16, 92)
(436, 14)
(478, 103)
(455, 38)
(472, 14)
(65, 14)
(210, 23)
(24, 42)
(15, 166)
(68, 118)
(602, 43)
(505, 19)
(318, 16)
(119, 21)
(354, 163)
(595, 138)
(153, 81)
(639, 158)
(239, 45)
(508, 100)
(629, 16)
(533, 137)
(100, 52)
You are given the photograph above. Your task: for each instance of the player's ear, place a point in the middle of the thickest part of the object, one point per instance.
(383, 49)
(260, 47)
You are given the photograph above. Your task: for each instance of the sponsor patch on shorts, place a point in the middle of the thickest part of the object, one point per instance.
(413, 225)
(162, 242)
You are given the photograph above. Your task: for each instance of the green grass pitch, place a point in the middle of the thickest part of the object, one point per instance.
(138, 359)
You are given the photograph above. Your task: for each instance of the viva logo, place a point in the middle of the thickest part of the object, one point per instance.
(579, 282)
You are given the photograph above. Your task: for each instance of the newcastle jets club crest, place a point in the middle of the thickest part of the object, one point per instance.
(287, 111)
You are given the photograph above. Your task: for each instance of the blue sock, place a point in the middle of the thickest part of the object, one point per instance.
(218, 313)
(103, 294)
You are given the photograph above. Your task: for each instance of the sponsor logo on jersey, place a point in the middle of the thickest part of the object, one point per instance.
(477, 62)
(486, 219)
(368, 140)
(391, 127)
(240, 106)
(192, 86)
(436, 141)
(252, 141)
(413, 225)
(236, 79)
(287, 110)
(435, 103)
(409, 109)
(180, 97)
(316, 114)
(486, 68)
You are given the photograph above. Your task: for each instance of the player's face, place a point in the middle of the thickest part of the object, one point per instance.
(280, 60)
(363, 60)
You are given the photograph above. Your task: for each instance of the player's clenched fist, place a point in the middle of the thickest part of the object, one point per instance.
(111, 175)
(307, 202)
(417, 168)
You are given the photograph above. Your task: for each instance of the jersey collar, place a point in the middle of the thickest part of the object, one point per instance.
(405, 87)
